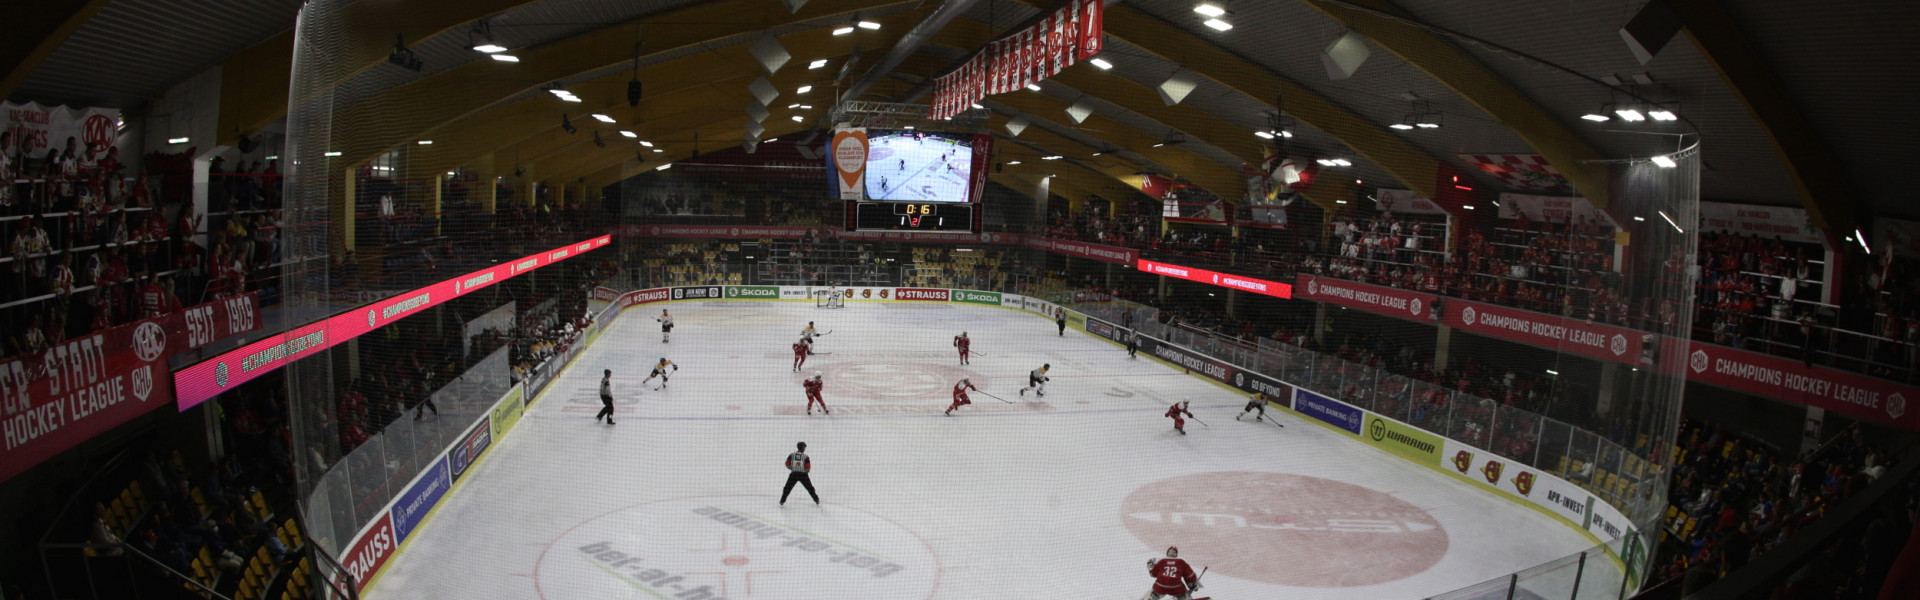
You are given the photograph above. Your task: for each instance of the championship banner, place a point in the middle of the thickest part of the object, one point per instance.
(1542, 330)
(203, 381)
(1523, 171)
(1388, 301)
(1070, 34)
(37, 128)
(1765, 222)
(1405, 202)
(1859, 396)
(849, 155)
(82, 388)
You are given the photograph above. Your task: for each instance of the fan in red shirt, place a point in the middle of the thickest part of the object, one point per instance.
(960, 393)
(156, 300)
(963, 344)
(813, 394)
(1172, 577)
(801, 350)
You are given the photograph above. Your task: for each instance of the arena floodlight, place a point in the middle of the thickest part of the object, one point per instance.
(1102, 63)
(1218, 25)
(506, 58)
(869, 25)
(1665, 162)
(843, 30)
(602, 117)
(1209, 9)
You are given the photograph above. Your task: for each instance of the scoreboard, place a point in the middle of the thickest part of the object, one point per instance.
(912, 216)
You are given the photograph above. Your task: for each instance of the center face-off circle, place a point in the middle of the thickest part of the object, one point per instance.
(1286, 529)
(737, 547)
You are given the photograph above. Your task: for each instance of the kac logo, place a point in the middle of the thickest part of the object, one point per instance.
(1240, 379)
(1463, 460)
(1896, 405)
(220, 375)
(1468, 315)
(1698, 361)
(1619, 344)
(1416, 306)
(1313, 287)
(149, 341)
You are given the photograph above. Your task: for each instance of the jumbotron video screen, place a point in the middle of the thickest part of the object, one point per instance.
(919, 166)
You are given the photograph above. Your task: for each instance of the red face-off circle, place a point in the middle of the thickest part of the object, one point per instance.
(1286, 529)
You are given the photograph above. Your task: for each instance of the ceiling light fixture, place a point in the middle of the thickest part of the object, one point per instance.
(1676, 226)
(976, 105)
(1863, 241)
(1218, 25)
(1102, 63)
(1033, 86)
(1629, 114)
(803, 89)
(1665, 162)
(1051, 157)
(602, 117)
(490, 48)
(843, 30)
(625, 133)
(1639, 218)
(1662, 114)
(1401, 126)
(425, 142)
(663, 167)
(1263, 135)
(333, 153)
(1013, 162)
(1428, 121)
(798, 118)
(1596, 117)
(646, 143)
(1209, 10)
(509, 58)
(817, 64)
(658, 150)
(179, 140)
(869, 25)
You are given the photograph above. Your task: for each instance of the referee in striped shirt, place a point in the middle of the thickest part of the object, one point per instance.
(797, 467)
(606, 397)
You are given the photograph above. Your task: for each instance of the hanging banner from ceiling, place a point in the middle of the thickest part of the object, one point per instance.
(1552, 209)
(1057, 41)
(1521, 171)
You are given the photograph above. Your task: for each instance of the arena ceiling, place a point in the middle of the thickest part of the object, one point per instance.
(1796, 104)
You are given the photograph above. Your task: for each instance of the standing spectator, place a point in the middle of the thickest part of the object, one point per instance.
(30, 246)
(7, 172)
(34, 341)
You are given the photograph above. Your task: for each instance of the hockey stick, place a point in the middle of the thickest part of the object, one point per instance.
(1272, 420)
(1197, 420)
(1196, 584)
(995, 397)
(976, 353)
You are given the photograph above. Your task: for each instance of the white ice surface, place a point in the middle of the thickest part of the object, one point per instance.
(1001, 500)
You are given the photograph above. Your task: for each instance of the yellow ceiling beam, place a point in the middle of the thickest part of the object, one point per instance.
(1817, 176)
(402, 114)
(1407, 163)
(34, 30)
(1460, 72)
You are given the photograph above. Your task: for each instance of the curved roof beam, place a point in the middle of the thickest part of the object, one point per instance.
(1410, 165)
(1453, 67)
(401, 114)
(53, 20)
(1823, 185)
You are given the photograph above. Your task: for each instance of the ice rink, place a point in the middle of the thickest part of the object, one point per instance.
(931, 169)
(1065, 496)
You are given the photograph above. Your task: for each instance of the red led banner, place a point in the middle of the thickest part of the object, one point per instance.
(1246, 284)
(203, 381)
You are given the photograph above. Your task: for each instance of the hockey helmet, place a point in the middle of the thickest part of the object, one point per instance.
(1173, 551)
(803, 445)
(817, 374)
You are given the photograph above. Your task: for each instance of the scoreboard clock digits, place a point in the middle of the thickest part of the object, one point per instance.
(909, 216)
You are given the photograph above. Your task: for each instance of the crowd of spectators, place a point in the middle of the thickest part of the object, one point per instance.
(1733, 500)
(91, 244)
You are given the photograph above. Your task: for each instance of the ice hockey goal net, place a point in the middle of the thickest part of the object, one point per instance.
(830, 298)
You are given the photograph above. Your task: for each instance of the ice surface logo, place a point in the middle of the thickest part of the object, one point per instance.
(1896, 405)
(149, 341)
(1698, 361)
(1468, 315)
(1619, 344)
(874, 555)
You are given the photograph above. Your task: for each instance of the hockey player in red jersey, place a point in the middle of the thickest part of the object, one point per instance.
(801, 350)
(960, 394)
(1172, 577)
(963, 344)
(1175, 411)
(813, 393)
